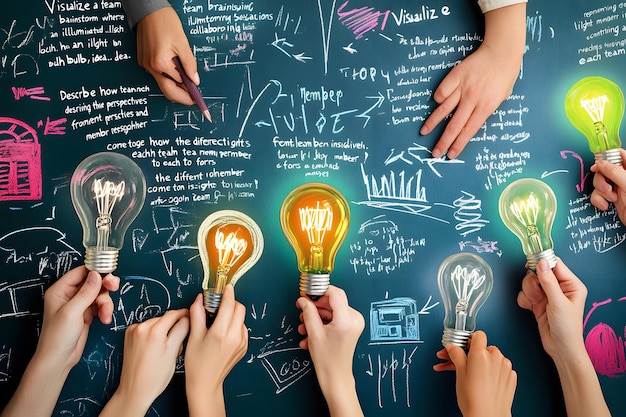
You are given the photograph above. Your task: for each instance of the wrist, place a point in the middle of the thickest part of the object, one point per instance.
(127, 404)
(204, 400)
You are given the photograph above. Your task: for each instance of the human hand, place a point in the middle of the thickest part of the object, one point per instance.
(485, 380)
(609, 184)
(332, 329)
(212, 353)
(477, 85)
(70, 305)
(160, 37)
(149, 362)
(557, 299)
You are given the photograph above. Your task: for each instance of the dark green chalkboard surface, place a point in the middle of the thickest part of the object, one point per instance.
(304, 92)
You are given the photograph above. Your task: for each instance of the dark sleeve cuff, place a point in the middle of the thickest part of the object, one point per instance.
(138, 9)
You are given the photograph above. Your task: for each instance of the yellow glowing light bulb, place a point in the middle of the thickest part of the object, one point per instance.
(315, 219)
(230, 243)
(595, 106)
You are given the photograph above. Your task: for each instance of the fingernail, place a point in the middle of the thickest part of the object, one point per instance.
(543, 265)
(452, 154)
(196, 78)
(92, 277)
(436, 153)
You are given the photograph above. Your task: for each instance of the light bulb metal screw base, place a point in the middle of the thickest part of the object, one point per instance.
(456, 337)
(101, 260)
(534, 258)
(314, 285)
(612, 155)
(212, 301)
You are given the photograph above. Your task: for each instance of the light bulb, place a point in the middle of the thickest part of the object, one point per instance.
(315, 219)
(527, 207)
(595, 106)
(108, 191)
(230, 243)
(465, 281)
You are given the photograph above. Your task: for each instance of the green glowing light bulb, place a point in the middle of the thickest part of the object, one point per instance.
(595, 106)
(527, 207)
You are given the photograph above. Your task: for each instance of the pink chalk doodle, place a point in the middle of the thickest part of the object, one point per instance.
(583, 176)
(361, 20)
(604, 347)
(20, 161)
(35, 93)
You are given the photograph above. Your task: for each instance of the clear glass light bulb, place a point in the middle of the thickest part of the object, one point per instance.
(230, 243)
(527, 207)
(315, 219)
(465, 281)
(595, 106)
(108, 191)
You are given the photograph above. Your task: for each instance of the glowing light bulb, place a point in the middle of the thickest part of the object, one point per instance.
(108, 191)
(527, 207)
(315, 219)
(595, 106)
(230, 243)
(465, 281)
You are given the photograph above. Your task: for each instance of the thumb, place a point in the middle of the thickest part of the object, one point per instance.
(457, 356)
(549, 282)
(613, 172)
(188, 60)
(87, 293)
(310, 316)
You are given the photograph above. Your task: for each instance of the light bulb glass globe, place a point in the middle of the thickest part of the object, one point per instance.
(315, 218)
(108, 191)
(230, 243)
(595, 106)
(465, 282)
(528, 207)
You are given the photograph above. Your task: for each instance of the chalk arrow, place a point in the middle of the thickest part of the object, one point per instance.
(350, 49)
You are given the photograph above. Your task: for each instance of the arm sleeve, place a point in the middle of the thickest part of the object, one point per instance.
(138, 9)
(488, 5)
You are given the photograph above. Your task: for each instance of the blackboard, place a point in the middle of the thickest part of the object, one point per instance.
(303, 92)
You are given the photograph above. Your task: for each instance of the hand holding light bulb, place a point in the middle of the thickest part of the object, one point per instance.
(315, 219)
(527, 207)
(465, 281)
(595, 106)
(609, 184)
(108, 191)
(230, 243)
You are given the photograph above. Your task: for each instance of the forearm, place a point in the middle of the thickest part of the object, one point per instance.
(204, 402)
(581, 387)
(342, 398)
(505, 32)
(125, 405)
(38, 391)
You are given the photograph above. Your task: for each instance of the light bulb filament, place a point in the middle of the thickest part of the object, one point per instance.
(106, 194)
(230, 249)
(595, 107)
(527, 212)
(316, 222)
(464, 283)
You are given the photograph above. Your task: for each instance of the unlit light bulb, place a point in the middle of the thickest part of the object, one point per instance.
(595, 106)
(230, 243)
(315, 219)
(528, 207)
(465, 282)
(108, 191)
